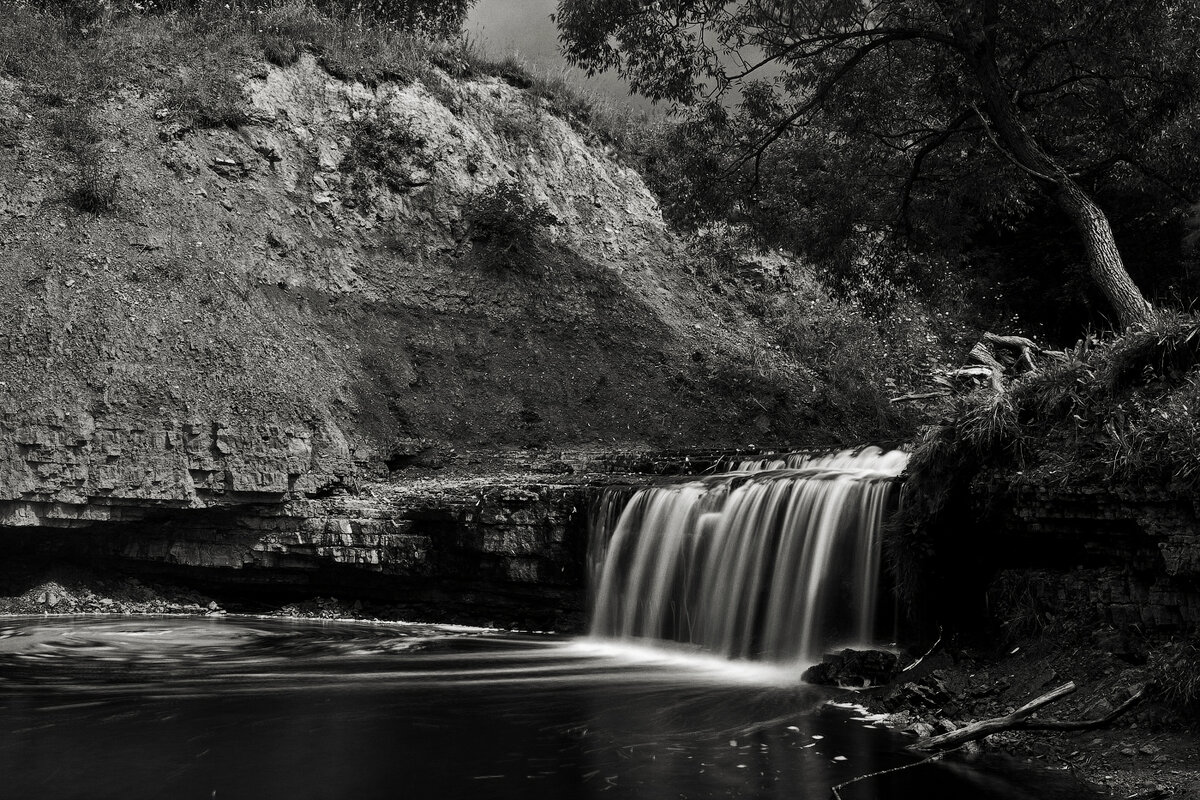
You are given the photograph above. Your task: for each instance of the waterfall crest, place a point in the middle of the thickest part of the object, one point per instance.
(775, 561)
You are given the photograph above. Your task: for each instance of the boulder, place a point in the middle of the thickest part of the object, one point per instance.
(854, 669)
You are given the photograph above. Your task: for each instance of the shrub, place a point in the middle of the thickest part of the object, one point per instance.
(590, 114)
(440, 19)
(1166, 351)
(520, 126)
(82, 14)
(288, 29)
(383, 148)
(209, 97)
(508, 231)
(95, 188)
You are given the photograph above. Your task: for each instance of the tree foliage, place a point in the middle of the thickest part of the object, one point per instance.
(841, 128)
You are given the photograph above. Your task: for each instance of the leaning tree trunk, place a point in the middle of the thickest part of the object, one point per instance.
(1104, 261)
(974, 29)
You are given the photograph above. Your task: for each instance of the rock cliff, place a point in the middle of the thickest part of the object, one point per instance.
(266, 313)
(1129, 555)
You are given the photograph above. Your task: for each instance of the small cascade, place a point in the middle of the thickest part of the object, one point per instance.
(776, 561)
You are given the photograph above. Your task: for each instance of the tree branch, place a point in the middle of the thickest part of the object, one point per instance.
(822, 92)
(831, 40)
(1019, 721)
(914, 174)
(987, 129)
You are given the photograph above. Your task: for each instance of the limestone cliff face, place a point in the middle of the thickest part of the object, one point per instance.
(1133, 555)
(257, 321)
(477, 550)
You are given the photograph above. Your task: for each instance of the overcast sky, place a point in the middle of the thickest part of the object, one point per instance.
(524, 26)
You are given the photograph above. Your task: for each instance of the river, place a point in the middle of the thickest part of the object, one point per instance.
(242, 707)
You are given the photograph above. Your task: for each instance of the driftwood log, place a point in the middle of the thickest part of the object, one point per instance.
(1021, 720)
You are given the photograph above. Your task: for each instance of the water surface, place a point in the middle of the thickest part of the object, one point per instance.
(121, 707)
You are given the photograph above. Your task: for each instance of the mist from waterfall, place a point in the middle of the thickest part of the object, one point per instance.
(776, 561)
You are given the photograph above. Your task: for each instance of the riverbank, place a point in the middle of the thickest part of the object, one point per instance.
(1149, 752)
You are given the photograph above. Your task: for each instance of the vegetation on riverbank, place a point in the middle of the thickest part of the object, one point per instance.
(1115, 408)
(1115, 411)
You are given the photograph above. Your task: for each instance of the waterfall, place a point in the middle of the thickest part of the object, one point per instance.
(775, 561)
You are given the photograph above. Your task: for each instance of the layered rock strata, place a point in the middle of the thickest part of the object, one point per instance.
(1131, 555)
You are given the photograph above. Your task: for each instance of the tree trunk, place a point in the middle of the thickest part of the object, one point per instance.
(974, 29)
(1104, 261)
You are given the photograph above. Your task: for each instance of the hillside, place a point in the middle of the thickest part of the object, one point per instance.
(232, 275)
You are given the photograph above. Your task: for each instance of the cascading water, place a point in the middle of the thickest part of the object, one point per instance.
(774, 562)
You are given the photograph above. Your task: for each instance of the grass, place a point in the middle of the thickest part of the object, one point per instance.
(1175, 671)
(93, 185)
(508, 230)
(1115, 410)
(1121, 408)
(209, 96)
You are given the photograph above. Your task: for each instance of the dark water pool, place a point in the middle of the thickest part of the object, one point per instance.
(104, 707)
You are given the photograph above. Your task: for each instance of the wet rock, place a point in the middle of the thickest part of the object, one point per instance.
(854, 668)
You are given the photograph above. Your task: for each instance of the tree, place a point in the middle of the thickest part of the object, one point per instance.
(977, 103)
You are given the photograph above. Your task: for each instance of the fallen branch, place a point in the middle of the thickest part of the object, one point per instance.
(980, 354)
(933, 648)
(1019, 721)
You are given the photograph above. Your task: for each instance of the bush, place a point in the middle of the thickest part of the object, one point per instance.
(383, 149)
(82, 14)
(210, 97)
(95, 188)
(288, 29)
(508, 231)
(1166, 351)
(441, 19)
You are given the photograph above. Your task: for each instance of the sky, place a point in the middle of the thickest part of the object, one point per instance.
(524, 26)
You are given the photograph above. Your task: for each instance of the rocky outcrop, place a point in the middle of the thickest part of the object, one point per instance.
(60, 467)
(467, 550)
(1133, 555)
(264, 313)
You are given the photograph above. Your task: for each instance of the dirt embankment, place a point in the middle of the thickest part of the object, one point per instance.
(1148, 752)
(317, 292)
